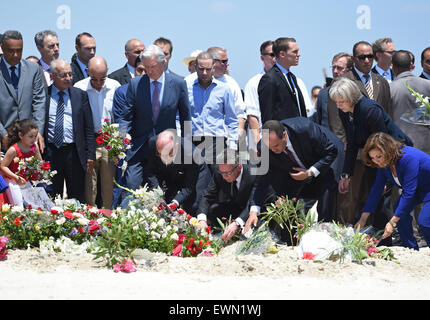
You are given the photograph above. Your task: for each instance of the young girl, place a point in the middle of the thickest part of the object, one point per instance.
(22, 138)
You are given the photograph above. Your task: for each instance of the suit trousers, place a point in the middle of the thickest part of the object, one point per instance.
(65, 161)
(105, 167)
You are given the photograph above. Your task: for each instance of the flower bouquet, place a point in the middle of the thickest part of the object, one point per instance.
(35, 170)
(114, 140)
(420, 115)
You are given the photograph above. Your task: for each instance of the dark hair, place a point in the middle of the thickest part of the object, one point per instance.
(424, 51)
(264, 45)
(357, 44)
(19, 126)
(390, 148)
(162, 40)
(40, 37)
(274, 126)
(402, 60)
(79, 36)
(203, 55)
(228, 156)
(12, 34)
(379, 45)
(349, 62)
(281, 44)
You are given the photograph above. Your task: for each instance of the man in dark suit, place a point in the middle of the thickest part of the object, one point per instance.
(69, 133)
(133, 49)
(153, 101)
(278, 92)
(170, 165)
(425, 63)
(371, 85)
(229, 194)
(22, 94)
(300, 158)
(85, 46)
(383, 50)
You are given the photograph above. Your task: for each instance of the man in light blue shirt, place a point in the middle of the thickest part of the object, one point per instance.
(212, 106)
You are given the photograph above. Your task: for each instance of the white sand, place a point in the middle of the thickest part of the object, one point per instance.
(27, 274)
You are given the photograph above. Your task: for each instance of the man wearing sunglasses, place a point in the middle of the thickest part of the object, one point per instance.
(384, 50)
(371, 85)
(133, 49)
(100, 90)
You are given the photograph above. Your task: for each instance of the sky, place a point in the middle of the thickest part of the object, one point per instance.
(321, 28)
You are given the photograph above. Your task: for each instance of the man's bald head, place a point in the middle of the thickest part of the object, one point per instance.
(97, 70)
(166, 146)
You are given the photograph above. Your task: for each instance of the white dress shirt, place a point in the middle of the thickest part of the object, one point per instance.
(100, 101)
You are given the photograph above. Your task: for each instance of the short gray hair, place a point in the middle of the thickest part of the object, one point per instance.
(214, 52)
(153, 51)
(11, 35)
(53, 65)
(345, 89)
(40, 36)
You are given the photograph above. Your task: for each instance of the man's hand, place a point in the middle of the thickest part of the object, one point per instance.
(301, 175)
(40, 142)
(202, 224)
(230, 231)
(90, 165)
(252, 221)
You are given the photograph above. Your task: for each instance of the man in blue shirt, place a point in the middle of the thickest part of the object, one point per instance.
(212, 105)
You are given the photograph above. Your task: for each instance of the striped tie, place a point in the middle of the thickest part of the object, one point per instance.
(59, 121)
(368, 86)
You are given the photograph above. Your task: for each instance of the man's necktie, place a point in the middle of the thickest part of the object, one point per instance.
(292, 80)
(155, 102)
(234, 189)
(368, 86)
(59, 121)
(291, 156)
(14, 78)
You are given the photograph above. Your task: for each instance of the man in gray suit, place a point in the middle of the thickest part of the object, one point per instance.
(22, 94)
(403, 101)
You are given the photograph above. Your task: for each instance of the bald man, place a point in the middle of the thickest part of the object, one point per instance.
(133, 49)
(100, 90)
(170, 165)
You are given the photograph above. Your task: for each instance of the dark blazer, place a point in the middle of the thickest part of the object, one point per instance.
(121, 75)
(184, 174)
(368, 117)
(83, 126)
(393, 76)
(413, 172)
(137, 115)
(221, 191)
(76, 71)
(315, 146)
(277, 101)
(119, 102)
(381, 89)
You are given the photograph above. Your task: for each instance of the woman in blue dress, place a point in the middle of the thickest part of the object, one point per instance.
(407, 167)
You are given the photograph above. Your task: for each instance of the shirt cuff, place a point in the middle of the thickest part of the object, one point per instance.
(240, 222)
(232, 144)
(255, 209)
(201, 217)
(314, 171)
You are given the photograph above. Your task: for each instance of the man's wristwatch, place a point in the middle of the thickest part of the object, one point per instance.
(394, 224)
(344, 176)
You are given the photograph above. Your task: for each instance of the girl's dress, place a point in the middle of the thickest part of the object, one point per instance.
(13, 193)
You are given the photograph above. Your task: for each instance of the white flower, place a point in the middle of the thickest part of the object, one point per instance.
(153, 225)
(17, 209)
(161, 222)
(58, 209)
(5, 207)
(175, 228)
(194, 221)
(136, 227)
(83, 221)
(121, 155)
(60, 221)
(174, 237)
(77, 215)
(114, 125)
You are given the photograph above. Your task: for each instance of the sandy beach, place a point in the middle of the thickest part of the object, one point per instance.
(29, 274)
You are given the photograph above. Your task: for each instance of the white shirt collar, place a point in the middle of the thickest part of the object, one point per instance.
(239, 178)
(161, 79)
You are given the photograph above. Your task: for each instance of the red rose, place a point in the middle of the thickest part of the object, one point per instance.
(173, 206)
(180, 211)
(68, 214)
(127, 141)
(189, 216)
(53, 211)
(46, 166)
(100, 141)
(208, 229)
(81, 230)
(94, 228)
(17, 221)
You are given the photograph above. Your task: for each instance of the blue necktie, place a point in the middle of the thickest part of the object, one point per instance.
(155, 102)
(59, 121)
(14, 78)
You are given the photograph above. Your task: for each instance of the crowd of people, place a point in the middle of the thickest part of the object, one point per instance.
(217, 150)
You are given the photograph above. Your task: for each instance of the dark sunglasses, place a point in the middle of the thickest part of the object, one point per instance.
(364, 56)
(223, 61)
(269, 54)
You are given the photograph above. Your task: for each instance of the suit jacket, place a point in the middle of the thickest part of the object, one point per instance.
(137, 115)
(381, 89)
(403, 102)
(221, 191)
(119, 102)
(368, 117)
(77, 73)
(391, 73)
(29, 103)
(277, 101)
(184, 174)
(83, 126)
(413, 172)
(121, 75)
(314, 145)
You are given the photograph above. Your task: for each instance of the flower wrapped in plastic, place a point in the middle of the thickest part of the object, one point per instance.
(260, 242)
(421, 114)
(115, 141)
(35, 170)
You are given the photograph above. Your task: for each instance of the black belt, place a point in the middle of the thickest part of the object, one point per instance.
(64, 145)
